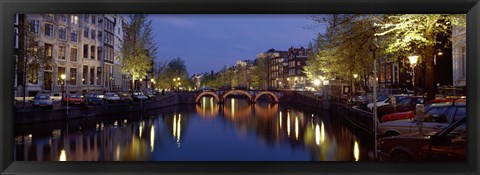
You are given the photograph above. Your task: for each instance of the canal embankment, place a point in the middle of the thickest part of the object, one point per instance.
(359, 119)
(86, 111)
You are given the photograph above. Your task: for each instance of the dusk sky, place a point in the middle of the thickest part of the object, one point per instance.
(208, 42)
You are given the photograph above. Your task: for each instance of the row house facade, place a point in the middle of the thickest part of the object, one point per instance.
(459, 57)
(286, 68)
(81, 46)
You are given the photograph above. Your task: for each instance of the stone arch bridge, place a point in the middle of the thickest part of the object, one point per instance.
(252, 95)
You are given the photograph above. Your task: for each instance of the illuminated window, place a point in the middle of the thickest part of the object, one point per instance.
(61, 52)
(73, 54)
(74, 20)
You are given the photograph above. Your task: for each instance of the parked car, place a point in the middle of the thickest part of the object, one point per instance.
(383, 100)
(111, 97)
(436, 118)
(412, 113)
(93, 98)
(42, 100)
(405, 104)
(448, 144)
(74, 99)
(150, 95)
(139, 96)
(125, 97)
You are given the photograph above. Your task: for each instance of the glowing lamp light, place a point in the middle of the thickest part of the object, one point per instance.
(63, 76)
(316, 82)
(413, 59)
(355, 75)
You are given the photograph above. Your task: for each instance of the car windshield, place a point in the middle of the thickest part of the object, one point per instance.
(382, 98)
(42, 97)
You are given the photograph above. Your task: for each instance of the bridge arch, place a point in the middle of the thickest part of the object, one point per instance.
(237, 91)
(272, 95)
(199, 96)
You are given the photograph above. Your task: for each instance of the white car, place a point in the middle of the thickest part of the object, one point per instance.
(437, 117)
(111, 97)
(383, 101)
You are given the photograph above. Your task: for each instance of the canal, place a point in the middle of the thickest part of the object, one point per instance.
(234, 131)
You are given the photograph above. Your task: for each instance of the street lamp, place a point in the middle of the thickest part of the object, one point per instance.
(355, 76)
(413, 62)
(152, 82)
(63, 76)
(316, 82)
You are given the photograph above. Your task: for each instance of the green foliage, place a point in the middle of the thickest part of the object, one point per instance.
(175, 69)
(138, 48)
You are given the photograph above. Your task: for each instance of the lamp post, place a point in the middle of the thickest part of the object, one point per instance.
(373, 48)
(152, 81)
(355, 76)
(63, 76)
(413, 62)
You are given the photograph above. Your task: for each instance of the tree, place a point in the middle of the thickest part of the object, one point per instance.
(261, 69)
(175, 69)
(343, 49)
(138, 48)
(416, 32)
(32, 58)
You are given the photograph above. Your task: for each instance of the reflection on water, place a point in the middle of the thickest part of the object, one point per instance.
(235, 130)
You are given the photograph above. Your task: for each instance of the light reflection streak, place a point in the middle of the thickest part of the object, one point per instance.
(211, 105)
(280, 121)
(288, 124)
(179, 129)
(296, 128)
(117, 154)
(152, 138)
(140, 129)
(356, 151)
(63, 155)
(317, 134)
(174, 125)
(322, 133)
(232, 106)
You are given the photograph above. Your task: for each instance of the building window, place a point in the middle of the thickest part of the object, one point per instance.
(49, 30)
(92, 52)
(389, 73)
(299, 72)
(85, 32)
(62, 33)
(93, 34)
(84, 76)
(298, 63)
(60, 71)
(63, 18)
(73, 54)
(50, 16)
(85, 51)
(94, 18)
(73, 76)
(99, 53)
(100, 36)
(74, 20)
(74, 36)
(35, 26)
(61, 52)
(33, 76)
(48, 49)
(85, 18)
(464, 62)
(99, 74)
(92, 76)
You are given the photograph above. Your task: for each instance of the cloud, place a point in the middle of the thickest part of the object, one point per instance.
(175, 21)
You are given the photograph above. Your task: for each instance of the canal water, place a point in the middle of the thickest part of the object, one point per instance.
(234, 131)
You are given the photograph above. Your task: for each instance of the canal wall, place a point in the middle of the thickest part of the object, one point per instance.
(305, 98)
(361, 120)
(77, 112)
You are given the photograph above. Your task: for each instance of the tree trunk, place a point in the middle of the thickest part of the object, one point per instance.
(133, 85)
(430, 85)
